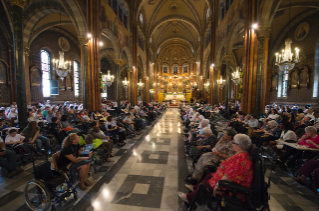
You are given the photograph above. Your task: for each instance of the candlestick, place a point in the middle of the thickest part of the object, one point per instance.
(277, 57)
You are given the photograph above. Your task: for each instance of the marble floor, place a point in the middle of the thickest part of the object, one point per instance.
(146, 176)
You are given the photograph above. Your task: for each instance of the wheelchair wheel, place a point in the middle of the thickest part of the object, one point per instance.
(37, 196)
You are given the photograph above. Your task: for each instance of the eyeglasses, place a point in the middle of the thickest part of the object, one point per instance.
(235, 143)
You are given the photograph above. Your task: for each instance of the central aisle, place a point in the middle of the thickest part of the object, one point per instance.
(149, 179)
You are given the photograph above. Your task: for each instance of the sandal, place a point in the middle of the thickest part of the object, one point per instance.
(109, 160)
(87, 183)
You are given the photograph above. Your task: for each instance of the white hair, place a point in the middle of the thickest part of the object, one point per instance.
(201, 117)
(311, 129)
(273, 123)
(207, 130)
(243, 140)
(205, 121)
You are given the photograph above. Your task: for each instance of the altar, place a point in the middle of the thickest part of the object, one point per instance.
(174, 97)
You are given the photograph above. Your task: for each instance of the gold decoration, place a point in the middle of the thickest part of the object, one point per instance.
(20, 3)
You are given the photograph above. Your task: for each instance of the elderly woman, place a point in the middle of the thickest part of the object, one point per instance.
(273, 133)
(193, 132)
(237, 169)
(221, 151)
(310, 139)
(204, 144)
(70, 160)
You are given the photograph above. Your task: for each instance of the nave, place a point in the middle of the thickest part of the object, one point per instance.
(148, 173)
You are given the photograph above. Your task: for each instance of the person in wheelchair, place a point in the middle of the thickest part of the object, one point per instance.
(97, 133)
(310, 139)
(31, 132)
(221, 151)
(15, 141)
(273, 133)
(198, 133)
(8, 160)
(237, 169)
(70, 160)
(55, 128)
(205, 143)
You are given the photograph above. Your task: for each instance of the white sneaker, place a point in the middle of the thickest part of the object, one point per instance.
(180, 194)
(189, 187)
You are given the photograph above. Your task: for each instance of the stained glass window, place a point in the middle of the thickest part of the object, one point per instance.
(175, 70)
(284, 84)
(141, 19)
(164, 69)
(45, 65)
(76, 79)
(185, 68)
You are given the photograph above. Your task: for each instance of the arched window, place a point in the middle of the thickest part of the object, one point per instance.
(76, 79)
(164, 69)
(316, 78)
(207, 14)
(45, 65)
(284, 84)
(141, 19)
(175, 69)
(186, 68)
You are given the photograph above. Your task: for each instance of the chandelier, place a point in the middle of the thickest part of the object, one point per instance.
(194, 85)
(152, 91)
(236, 76)
(62, 68)
(125, 85)
(285, 60)
(221, 83)
(207, 85)
(109, 79)
(140, 85)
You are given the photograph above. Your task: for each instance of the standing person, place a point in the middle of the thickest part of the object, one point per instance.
(32, 134)
(69, 160)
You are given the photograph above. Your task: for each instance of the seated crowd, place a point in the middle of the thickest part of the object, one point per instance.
(77, 131)
(226, 156)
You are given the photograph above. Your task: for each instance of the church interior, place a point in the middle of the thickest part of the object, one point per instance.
(160, 85)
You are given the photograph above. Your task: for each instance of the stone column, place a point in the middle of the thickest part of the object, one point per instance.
(12, 74)
(83, 40)
(135, 70)
(19, 63)
(263, 82)
(228, 81)
(27, 75)
(118, 85)
(212, 78)
(129, 88)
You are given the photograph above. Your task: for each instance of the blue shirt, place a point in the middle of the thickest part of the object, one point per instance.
(4, 127)
(87, 150)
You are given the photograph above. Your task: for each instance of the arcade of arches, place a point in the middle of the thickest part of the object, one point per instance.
(182, 46)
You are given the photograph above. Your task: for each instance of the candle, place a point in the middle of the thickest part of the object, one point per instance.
(277, 57)
(291, 56)
(283, 53)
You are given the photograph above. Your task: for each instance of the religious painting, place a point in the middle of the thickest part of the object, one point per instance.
(302, 31)
(35, 76)
(304, 77)
(294, 79)
(274, 83)
(64, 44)
(3, 73)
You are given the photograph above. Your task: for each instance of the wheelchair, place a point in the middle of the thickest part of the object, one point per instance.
(48, 188)
(256, 195)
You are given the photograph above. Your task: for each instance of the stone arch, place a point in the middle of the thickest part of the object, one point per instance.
(232, 36)
(129, 56)
(109, 34)
(219, 51)
(79, 17)
(267, 12)
(142, 55)
(174, 38)
(105, 52)
(32, 19)
(177, 18)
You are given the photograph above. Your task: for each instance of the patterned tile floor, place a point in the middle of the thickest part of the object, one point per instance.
(147, 174)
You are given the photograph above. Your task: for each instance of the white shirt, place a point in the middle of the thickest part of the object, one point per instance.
(289, 135)
(129, 120)
(272, 116)
(17, 138)
(311, 117)
(86, 118)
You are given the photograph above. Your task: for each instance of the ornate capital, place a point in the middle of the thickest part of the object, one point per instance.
(228, 58)
(212, 18)
(130, 69)
(263, 31)
(27, 50)
(20, 3)
(118, 61)
(83, 40)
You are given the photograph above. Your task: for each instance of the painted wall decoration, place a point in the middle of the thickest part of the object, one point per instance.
(151, 2)
(35, 76)
(119, 32)
(174, 7)
(294, 79)
(103, 18)
(304, 77)
(302, 31)
(64, 44)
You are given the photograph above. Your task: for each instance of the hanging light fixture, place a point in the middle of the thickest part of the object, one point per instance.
(207, 85)
(194, 85)
(221, 82)
(109, 79)
(152, 91)
(140, 85)
(236, 76)
(125, 84)
(285, 60)
(62, 68)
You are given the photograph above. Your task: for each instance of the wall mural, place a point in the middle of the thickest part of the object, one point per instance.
(35, 76)
(302, 31)
(299, 78)
(64, 44)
